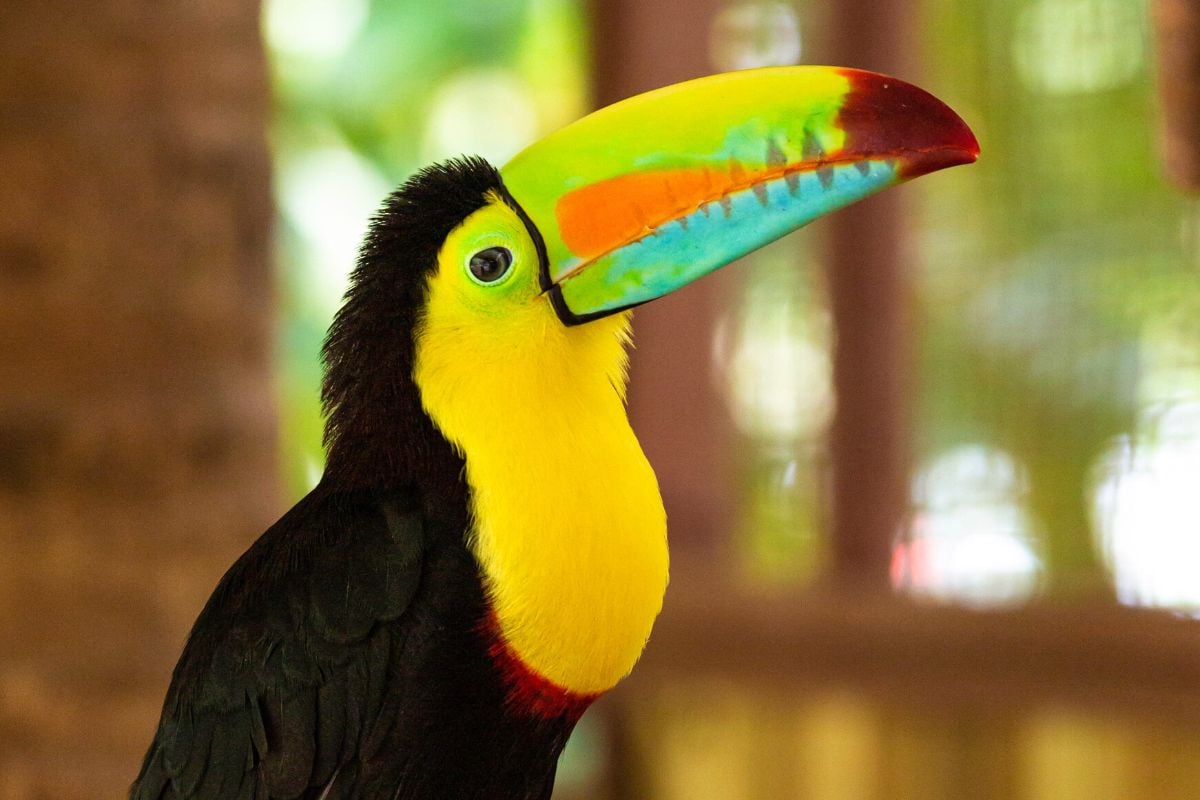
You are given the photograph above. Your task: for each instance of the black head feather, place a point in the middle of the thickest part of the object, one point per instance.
(376, 432)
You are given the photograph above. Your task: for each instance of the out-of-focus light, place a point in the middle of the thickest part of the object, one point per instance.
(969, 541)
(787, 480)
(314, 29)
(327, 196)
(486, 112)
(1065, 47)
(755, 34)
(1147, 509)
(779, 373)
(314, 469)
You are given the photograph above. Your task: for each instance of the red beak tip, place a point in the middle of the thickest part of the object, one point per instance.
(914, 165)
(887, 115)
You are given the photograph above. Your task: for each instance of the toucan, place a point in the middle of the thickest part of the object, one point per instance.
(486, 551)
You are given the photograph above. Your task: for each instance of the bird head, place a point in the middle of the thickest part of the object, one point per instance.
(525, 275)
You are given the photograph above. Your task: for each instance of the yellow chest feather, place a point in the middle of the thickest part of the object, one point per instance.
(571, 536)
(569, 528)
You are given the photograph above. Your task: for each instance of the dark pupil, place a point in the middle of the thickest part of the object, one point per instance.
(488, 265)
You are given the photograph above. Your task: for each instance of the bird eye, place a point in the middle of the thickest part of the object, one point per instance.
(489, 266)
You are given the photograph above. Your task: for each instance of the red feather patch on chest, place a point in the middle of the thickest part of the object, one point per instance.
(527, 691)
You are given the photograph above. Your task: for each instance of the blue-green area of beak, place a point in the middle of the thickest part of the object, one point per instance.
(685, 249)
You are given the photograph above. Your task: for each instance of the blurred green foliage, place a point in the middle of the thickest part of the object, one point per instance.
(366, 92)
(1056, 296)
(1057, 270)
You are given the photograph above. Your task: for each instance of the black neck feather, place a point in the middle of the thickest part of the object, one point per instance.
(377, 433)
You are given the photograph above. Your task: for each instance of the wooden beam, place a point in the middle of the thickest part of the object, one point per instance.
(1098, 657)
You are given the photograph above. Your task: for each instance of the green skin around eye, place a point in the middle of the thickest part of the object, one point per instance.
(493, 226)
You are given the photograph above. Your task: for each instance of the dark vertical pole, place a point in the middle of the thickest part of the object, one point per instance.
(1177, 24)
(869, 287)
(674, 403)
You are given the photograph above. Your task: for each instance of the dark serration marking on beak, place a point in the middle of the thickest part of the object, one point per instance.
(811, 149)
(760, 191)
(775, 155)
(793, 182)
(775, 158)
(683, 223)
(726, 206)
(737, 173)
(863, 168)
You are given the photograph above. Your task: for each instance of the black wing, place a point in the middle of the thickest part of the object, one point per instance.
(276, 688)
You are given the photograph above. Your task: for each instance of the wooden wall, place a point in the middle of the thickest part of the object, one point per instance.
(137, 428)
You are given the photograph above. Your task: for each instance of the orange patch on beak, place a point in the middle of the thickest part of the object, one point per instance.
(601, 217)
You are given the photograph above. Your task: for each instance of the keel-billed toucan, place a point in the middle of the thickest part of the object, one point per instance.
(486, 551)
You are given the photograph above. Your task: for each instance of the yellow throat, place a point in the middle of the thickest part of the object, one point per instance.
(569, 527)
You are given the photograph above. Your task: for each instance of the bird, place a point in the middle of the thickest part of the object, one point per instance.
(486, 553)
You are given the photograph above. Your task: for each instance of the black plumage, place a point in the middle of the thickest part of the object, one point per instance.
(346, 653)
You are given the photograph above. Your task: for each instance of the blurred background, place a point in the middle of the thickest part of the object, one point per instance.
(929, 463)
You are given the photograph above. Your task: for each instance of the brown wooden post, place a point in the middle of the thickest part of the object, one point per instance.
(137, 424)
(1177, 23)
(869, 288)
(675, 404)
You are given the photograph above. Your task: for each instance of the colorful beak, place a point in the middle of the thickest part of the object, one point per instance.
(645, 196)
